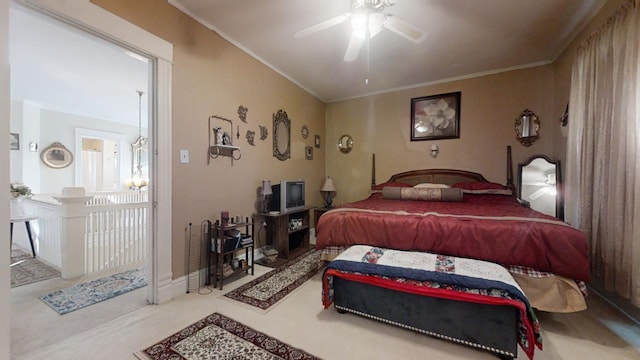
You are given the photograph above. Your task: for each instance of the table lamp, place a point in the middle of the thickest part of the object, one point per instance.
(328, 187)
(266, 194)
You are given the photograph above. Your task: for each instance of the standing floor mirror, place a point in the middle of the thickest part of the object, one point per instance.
(540, 185)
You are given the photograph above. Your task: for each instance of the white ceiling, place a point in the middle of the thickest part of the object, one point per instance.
(58, 67)
(463, 38)
(62, 68)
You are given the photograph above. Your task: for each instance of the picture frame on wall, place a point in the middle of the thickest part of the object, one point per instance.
(56, 156)
(435, 117)
(317, 142)
(14, 141)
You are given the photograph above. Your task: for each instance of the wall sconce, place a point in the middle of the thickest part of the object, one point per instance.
(266, 192)
(434, 150)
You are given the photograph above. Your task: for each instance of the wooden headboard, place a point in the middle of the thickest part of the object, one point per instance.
(442, 176)
(436, 176)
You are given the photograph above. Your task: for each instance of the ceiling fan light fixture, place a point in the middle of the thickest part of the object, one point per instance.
(359, 24)
(365, 12)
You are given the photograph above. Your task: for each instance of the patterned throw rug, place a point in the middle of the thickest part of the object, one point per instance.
(218, 337)
(26, 270)
(85, 294)
(271, 287)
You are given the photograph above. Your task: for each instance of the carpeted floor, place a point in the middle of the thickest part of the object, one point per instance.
(26, 269)
(82, 295)
(268, 289)
(219, 337)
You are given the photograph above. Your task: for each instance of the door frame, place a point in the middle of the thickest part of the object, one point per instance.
(82, 133)
(96, 20)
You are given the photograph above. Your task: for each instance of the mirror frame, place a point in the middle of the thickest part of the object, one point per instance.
(559, 185)
(56, 156)
(535, 123)
(348, 143)
(281, 118)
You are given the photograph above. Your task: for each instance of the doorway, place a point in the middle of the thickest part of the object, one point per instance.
(101, 166)
(100, 141)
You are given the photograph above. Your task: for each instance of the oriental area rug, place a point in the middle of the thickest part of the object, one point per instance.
(219, 337)
(273, 286)
(26, 269)
(82, 295)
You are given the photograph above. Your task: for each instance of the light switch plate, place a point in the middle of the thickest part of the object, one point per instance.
(184, 156)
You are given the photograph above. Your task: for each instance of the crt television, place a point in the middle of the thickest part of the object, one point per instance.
(287, 196)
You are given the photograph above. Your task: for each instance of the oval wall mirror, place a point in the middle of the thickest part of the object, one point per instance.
(281, 135)
(540, 185)
(345, 144)
(527, 127)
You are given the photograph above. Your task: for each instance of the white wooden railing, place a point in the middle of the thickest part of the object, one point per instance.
(85, 233)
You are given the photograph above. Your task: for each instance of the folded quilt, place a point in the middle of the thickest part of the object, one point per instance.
(435, 275)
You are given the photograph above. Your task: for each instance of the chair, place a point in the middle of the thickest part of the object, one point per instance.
(26, 220)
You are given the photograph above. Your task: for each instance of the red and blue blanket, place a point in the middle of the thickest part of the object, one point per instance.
(427, 274)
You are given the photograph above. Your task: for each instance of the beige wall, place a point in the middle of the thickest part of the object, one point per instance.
(213, 77)
(489, 106)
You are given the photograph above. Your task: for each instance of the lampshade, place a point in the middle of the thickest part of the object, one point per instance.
(266, 188)
(328, 185)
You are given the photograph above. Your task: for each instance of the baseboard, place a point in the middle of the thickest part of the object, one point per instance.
(621, 304)
(178, 287)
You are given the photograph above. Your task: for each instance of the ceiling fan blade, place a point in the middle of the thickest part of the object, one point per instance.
(535, 183)
(321, 26)
(538, 193)
(404, 29)
(354, 48)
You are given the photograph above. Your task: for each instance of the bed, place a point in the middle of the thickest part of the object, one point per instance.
(548, 258)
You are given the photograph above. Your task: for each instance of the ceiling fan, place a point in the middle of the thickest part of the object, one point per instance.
(547, 187)
(367, 17)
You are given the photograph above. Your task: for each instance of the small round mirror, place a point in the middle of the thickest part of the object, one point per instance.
(345, 144)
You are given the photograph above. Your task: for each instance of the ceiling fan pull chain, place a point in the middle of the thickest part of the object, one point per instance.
(368, 35)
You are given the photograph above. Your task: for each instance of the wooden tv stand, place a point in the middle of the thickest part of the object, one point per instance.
(289, 240)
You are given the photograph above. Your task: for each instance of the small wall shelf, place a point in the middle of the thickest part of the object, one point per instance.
(224, 150)
(217, 149)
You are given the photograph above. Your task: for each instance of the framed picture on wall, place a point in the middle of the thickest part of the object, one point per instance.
(14, 141)
(308, 152)
(318, 141)
(435, 117)
(56, 156)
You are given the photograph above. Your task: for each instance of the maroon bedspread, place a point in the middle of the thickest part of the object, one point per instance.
(488, 227)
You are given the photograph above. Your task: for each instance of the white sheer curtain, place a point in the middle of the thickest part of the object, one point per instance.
(603, 169)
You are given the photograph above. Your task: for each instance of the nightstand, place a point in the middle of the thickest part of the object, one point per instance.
(317, 212)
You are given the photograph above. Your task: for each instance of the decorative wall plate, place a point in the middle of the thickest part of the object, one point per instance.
(305, 131)
(242, 113)
(250, 135)
(263, 132)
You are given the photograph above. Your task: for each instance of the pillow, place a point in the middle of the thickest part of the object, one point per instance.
(431, 186)
(424, 194)
(379, 187)
(482, 187)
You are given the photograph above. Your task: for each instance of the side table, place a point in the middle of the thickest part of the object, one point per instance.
(317, 212)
